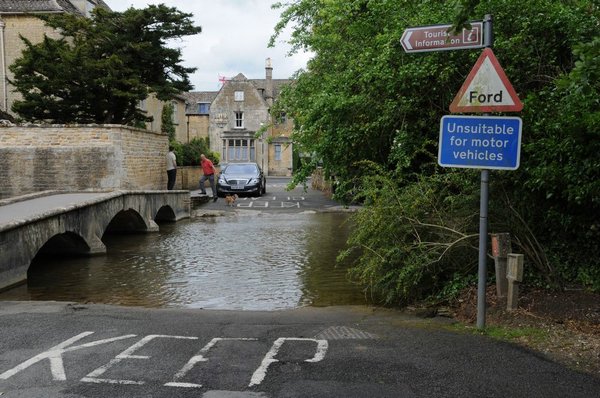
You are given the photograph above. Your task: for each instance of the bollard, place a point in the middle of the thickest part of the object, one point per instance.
(500, 249)
(514, 274)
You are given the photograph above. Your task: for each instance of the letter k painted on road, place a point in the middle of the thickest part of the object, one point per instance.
(54, 355)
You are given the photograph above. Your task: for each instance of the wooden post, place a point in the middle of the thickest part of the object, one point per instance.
(500, 249)
(514, 275)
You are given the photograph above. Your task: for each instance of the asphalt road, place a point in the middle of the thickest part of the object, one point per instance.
(70, 350)
(277, 199)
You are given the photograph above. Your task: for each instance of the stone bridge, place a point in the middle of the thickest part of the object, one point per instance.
(74, 223)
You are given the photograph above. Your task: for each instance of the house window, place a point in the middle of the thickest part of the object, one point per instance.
(239, 95)
(203, 108)
(282, 118)
(277, 148)
(239, 149)
(174, 115)
(239, 120)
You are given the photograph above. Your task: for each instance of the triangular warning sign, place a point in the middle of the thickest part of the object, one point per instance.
(486, 89)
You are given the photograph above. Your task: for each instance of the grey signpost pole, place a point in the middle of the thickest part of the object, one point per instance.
(488, 41)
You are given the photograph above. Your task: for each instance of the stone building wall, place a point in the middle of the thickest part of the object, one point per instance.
(198, 127)
(283, 165)
(279, 136)
(153, 107)
(180, 120)
(78, 158)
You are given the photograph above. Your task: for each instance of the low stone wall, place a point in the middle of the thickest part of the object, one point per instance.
(188, 177)
(79, 158)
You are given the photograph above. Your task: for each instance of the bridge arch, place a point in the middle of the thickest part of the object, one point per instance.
(66, 243)
(127, 221)
(165, 213)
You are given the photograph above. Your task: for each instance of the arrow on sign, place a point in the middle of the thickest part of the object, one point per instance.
(487, 89)
(406, 40)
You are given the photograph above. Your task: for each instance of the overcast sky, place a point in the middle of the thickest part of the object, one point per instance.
(234, 39)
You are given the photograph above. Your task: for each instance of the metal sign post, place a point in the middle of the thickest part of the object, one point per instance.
(488, 41)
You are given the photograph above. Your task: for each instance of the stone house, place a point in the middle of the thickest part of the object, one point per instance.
(238, 121)
(18, 17)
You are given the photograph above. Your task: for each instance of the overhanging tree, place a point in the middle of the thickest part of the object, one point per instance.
(102, 66)
(370, 114)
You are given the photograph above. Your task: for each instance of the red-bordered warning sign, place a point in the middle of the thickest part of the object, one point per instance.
(486, 89)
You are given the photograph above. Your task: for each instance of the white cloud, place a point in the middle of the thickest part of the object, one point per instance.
(234, 39)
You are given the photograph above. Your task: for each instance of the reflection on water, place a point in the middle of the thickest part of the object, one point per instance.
(249, 261)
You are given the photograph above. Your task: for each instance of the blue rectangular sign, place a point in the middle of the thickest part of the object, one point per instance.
(480, 142)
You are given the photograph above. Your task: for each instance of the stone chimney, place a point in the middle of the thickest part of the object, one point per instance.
(268, 82)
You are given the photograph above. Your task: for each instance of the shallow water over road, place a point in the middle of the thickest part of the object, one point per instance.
(247, 260)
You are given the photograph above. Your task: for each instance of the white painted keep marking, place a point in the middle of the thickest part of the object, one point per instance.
(55, 356)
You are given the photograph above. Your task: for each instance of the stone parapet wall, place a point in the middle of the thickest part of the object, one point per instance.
(79, 158)
(188, 177)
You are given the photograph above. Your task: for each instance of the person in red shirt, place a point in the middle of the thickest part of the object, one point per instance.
(209, 174)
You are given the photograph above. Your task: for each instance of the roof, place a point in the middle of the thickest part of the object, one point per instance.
(194, 97)
(261, 84)
(101, 3)
(200, 96)
(278, 84)
(43, 6)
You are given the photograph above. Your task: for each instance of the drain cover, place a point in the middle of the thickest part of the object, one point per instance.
(344, 332)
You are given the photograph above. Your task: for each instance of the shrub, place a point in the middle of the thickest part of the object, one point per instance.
(188, 154)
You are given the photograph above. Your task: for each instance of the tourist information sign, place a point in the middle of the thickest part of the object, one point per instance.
(437, 38)
(481, 142)
(486, 89)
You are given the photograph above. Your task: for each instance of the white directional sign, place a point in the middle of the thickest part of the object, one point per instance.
(487, 89)
(439, 38)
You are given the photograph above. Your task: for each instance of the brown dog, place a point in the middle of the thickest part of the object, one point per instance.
(230, 200)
